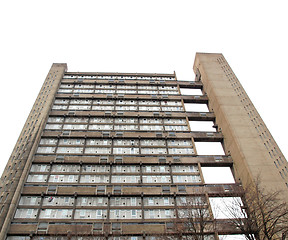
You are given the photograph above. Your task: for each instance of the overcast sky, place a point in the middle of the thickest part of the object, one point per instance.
(141, 36)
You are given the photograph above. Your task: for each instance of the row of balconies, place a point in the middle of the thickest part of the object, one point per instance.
(192, 116)
(114, 202)
(197, 136)
(111, 159)
(114, 230)
(138, 81)
(132, 190)
(202, 99)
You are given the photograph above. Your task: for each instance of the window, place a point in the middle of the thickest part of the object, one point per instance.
(70, 150)
(65, 168)
(46, 150)
(58, 201)
(95, 168)
(123, 142)
(116, 226)
(18, 238)
(101, 189)
(181, 151)
(183, 168)
(99, 142)
(125, 150)
(37, 178)
(40, 168)
(133, 201)
(60, 107)
(186, 179)
(48, 141)
(74, 127)
(182, 188)
(153, 151)
(63, 178)
(92, 201)
(76, 120)
(158, 201)
(99, 213)
(34, 201)
(166, 201)
(166, 189)
(100, 150)
(90, 214)
(26, 213)
(97, 227)
(159, 213)
(125, 179)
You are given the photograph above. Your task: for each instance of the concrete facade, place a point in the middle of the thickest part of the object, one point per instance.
(254, 152)
(112, 155)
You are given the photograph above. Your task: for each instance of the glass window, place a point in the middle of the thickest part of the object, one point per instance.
(59, 107)
(99, 150)
(69, 150)
(186, 179)
(37, 178)
(40, 168)
(76, 120)
(56, 213)
(94, 179)
(34, 201)
(46, 150)
(58, 201)
(48, 141)
(153, 142)
(126, 120)
(98, 142)
(90, 214)
(55, 119)
(92, 201)
(125, 179)
(71, 141)
(125, 150)
(181, 151)
(26, 213)
(65, 168)
(64, 178)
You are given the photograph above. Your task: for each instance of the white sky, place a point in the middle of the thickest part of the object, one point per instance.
(141, 36)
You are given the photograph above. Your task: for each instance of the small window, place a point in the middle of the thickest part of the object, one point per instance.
(116, 226)
(101, 189)
(42, 226)
(165, 188)
(103, 159)
(181, 188)
(169, 225)
(118, 159)
(162, 160)
(117, 189)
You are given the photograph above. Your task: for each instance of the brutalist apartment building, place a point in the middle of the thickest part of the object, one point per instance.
(114, 155)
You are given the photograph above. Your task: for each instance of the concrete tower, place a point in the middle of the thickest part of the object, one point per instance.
(114, 155)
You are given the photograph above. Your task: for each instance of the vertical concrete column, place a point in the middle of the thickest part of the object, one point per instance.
(246, 136)
(18, 166)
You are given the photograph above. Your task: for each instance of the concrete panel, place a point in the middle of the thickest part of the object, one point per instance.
(241, 139)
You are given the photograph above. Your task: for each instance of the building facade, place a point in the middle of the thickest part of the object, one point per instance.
(114, 155)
